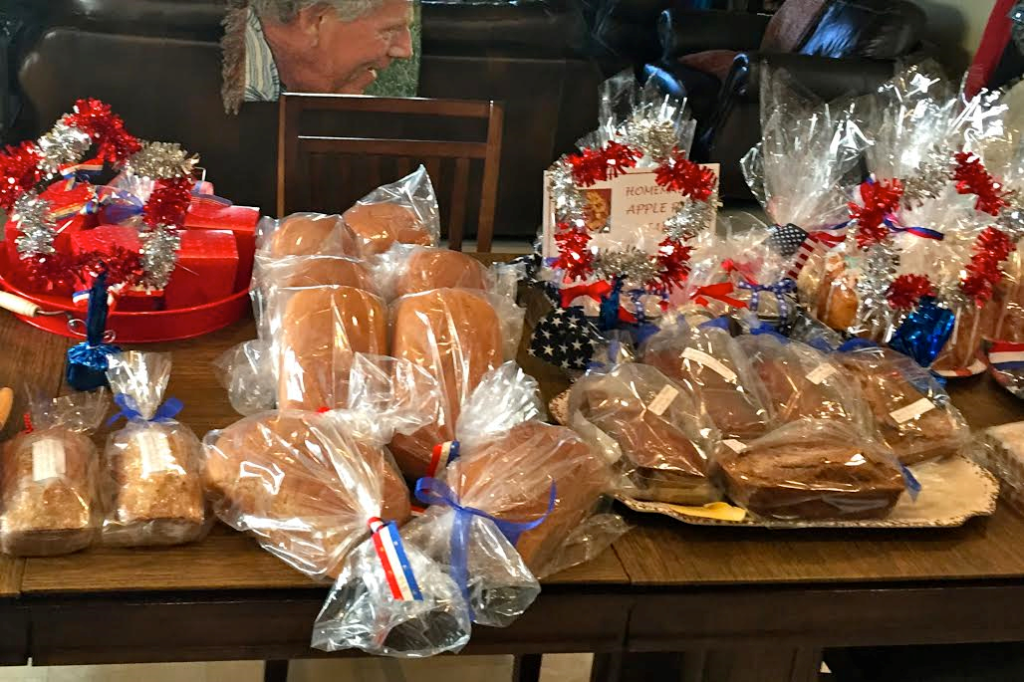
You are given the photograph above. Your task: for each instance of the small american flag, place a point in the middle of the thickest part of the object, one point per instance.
(791, 241)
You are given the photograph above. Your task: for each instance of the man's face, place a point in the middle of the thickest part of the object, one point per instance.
(354, 52)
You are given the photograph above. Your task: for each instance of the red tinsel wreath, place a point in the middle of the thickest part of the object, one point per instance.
(574, 256)
(591, 166)
(679, 174)
(673, 262)
(971, 177)
(983, 273)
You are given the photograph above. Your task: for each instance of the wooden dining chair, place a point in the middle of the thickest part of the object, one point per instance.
(334, 149)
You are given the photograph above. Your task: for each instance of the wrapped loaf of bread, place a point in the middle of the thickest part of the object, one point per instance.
(152, 484)
(304, 484)
(961, 353)
(456, 335)
(538, 487)
(307, 234)
(317, 331)
(48, 479)
(406, 269)
(708, 361)
(1003, 316)
(803, 383)
(810, 469)
(912, 413)
(659, 427)
(314, 271)
(404, 212)
(837, 300)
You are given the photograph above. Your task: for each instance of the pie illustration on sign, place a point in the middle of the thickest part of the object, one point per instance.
(599, 208)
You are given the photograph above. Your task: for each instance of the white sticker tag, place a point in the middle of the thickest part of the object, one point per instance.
(664, 398)
(702, 358)
(912, 411)
(48, 460)
(154, 450)
(734, 445)
(820, 373)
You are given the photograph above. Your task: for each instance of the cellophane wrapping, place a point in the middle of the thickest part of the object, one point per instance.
(310, 486)
(810, 469)
(1000, 449)
(457, 335)
(152, 483)
(655, 429)
(407, 269)
(803, 383)
(711, 365)
(247, 371)
(912, 413)
(316, 333)
(801, 169)
(518, 471)
(306, 234)
(49, 477)
(404, 212)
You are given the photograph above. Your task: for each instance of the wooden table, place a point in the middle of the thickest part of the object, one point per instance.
(742, 605)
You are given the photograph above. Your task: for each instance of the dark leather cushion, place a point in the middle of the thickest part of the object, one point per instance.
(533, 28)
(875, 29)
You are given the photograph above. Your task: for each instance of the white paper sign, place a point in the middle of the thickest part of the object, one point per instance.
(48, 459)
(705, 360)
(633, 204)
(912, 411)
(664, 398)
(154, 450)
(820, 373)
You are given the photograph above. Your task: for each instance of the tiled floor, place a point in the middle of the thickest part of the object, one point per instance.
(564, 668)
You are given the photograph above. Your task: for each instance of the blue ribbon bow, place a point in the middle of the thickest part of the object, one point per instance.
(130, 411)
(434, 492)
(780, 289)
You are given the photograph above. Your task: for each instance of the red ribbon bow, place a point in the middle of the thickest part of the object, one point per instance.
(596, 291)
(719, 292)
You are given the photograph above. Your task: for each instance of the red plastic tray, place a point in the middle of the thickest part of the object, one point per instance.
(137, 327)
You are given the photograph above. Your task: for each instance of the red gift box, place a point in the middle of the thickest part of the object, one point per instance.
(206, 213)
(71, 205)
(206, 271)
(104, 239)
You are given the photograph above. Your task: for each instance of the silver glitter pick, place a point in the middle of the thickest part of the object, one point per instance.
(32, 214)
(691, 218)
(630, 263)
(656, 137)
(878, 270)
(927, 183)
(159, 254)
(64, 144)
(161, 160)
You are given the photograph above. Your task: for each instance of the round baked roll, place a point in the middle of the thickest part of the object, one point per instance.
(435, 268)
(317, 271)
(378, 226)
(455, 335)
(304, 485)
(510, 475)
(837, 300)
(320, 331)
(310, 234)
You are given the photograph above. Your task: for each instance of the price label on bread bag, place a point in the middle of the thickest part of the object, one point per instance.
(912, 411)
(154, 451)
(48, 459)
(820, 373)
(705, 360)
(734, 445)
(664, 398)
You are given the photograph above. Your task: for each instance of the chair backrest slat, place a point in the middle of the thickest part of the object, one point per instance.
(317, 167)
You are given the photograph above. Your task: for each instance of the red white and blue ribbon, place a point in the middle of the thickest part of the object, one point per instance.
(894, 224)
(1006, 357)
(71, 171)
(443, 454)
(400, 577)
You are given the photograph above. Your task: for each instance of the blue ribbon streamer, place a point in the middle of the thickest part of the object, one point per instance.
(130, 411)
(434, 492)
(87, 362)
(923, 232)
(780, 289)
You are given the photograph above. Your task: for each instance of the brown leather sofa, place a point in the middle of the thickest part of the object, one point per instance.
(157, 62)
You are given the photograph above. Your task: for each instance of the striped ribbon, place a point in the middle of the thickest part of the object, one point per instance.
(443, 454)
(1006, 357)
(400, 577)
